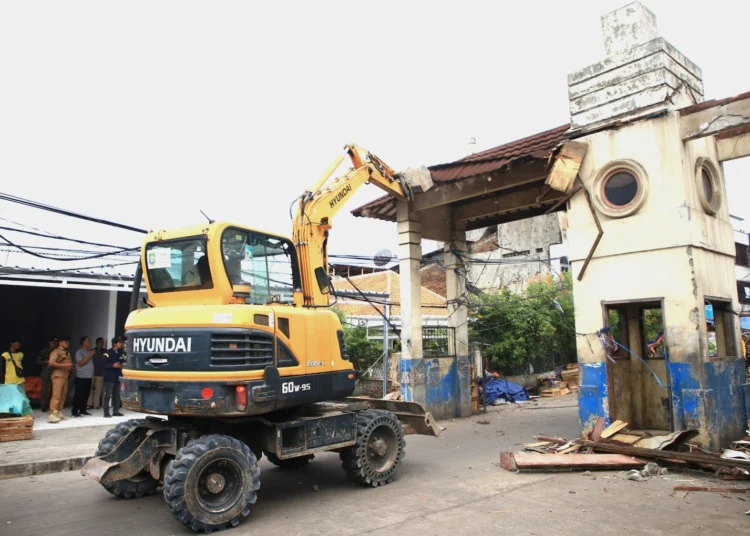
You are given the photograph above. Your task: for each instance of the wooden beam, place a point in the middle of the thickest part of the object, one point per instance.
(733, 143)
(666, 454)
(598, 235)
(487, 183)
(501, 204)
(716, 120)
(566, 166)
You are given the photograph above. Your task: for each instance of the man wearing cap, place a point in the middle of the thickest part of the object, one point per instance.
(112, 374)
(61, 364)
(46, 371)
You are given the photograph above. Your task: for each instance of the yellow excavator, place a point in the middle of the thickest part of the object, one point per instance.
(238, 355)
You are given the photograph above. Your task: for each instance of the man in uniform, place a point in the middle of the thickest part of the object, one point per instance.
(46, 372)
(112, 374)
(61, 364)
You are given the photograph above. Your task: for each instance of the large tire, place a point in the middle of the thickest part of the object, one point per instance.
(141, 484)
(379, 450)
(211, 483)
(289, 463)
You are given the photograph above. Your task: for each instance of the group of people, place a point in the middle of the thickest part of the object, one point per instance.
(96, 373)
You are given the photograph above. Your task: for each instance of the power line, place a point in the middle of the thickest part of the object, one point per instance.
(57, 237)
(48, 257)
(49, 208)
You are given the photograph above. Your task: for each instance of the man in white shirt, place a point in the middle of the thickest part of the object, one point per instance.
(84, 373)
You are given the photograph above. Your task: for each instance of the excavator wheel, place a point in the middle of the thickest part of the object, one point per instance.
(211, 483)
(379, 450)
(141, 484)
(290, 463)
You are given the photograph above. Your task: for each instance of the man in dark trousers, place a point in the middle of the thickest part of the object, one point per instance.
(112, 374)
(84, 374)
(46, 372)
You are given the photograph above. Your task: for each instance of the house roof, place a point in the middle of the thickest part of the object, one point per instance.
(534, 147)
(387, 282)
(531, 147)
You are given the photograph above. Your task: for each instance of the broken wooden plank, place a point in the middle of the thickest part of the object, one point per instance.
(601, 423)
(529, 461)
(665, 454)
(556, 440)
(565, 169)
(537, 444)
(626, 439)
(574, 448)
(613, 428)
(712, 489)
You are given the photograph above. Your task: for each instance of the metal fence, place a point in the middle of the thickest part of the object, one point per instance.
(438, 341)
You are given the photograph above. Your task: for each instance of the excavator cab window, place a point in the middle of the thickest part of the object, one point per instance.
(179, 264)
(264, 263)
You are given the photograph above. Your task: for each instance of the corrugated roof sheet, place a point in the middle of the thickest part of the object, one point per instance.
(532, 147)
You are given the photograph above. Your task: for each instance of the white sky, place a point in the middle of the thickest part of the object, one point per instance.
(146, 112)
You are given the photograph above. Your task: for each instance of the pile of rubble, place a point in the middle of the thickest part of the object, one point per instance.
(617, 447)
(558, 383)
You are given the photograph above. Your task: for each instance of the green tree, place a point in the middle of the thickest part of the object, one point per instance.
(536, 324)
(362, 351)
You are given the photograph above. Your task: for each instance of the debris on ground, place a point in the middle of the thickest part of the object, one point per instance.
(636, 476)
(483, 421)
(712, 489)
(618, 447)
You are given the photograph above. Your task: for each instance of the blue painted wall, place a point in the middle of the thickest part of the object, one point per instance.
(441, 385)
(718, 407)
(593, 395)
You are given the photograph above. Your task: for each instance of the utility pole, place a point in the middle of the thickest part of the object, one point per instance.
(386, 322)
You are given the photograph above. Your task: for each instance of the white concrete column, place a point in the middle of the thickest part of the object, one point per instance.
(455, 278)
(410, 259)
(111, 318)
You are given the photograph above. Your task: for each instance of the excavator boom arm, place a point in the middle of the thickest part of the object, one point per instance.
(319, 205)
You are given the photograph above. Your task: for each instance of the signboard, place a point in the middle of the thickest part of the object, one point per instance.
(159, 258)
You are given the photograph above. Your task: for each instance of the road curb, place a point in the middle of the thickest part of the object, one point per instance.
(18, 470)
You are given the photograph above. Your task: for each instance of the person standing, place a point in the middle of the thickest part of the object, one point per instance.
(46, 372)
(13, 362)
(97, 382)
(62, 364)
(112, 374)
(84, 373)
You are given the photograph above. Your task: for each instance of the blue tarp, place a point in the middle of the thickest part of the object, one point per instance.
(512, 392)
(13, 400)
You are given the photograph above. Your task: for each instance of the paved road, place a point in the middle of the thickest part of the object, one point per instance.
(449, 485)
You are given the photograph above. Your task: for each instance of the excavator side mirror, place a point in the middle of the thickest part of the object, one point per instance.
(324, 282)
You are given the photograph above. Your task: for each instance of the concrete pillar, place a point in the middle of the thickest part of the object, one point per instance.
(455, 276)
(410, 260)
(111, 317)
(455, 279)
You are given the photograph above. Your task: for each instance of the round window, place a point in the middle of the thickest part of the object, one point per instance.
(707, 183)
(708, 187)
(620, 188)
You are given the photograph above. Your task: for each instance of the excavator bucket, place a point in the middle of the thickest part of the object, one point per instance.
(412, 415)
